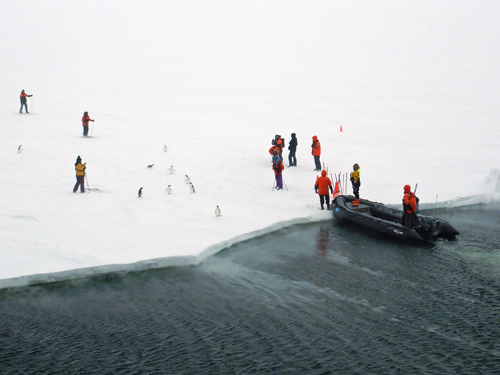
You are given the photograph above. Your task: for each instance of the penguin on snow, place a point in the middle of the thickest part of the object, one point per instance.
(187, 180)
(217, 211)
(191, 186)
(171, 170)
(165, 148)
(169, 189)
(139, 193)
(20, 148)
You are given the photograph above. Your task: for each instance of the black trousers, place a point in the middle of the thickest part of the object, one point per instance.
(355, 189)
(292, 160)
(85, 130)
(80, 182)
(322, 199)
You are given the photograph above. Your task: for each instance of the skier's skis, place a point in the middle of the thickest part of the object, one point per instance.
(97, 190)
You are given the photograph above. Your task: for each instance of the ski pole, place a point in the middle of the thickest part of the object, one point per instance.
(274, 183)
(87, 181)
(92, 129)
(284, 183)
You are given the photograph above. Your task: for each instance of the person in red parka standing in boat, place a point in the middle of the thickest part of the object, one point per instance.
(321, 187)
(410, 218)
(85, 123)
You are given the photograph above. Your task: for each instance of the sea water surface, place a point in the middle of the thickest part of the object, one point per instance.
(310, 299)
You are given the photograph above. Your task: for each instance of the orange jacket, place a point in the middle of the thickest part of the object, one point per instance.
(323, 183)
(278, 167)
(271, 150)
(410, 200)
(316, 147)
(85, 120)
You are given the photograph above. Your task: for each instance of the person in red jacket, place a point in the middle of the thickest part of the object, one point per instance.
(278, 170)
(316, 152)
(321, 187)
(85, 123)
(24, 103)
(410, 218)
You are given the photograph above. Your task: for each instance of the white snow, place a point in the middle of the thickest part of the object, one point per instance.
(415, 87)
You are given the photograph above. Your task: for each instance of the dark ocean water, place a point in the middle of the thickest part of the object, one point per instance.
(311, 299)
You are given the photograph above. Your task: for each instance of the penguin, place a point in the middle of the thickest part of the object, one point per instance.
(171, 170)
(187, 180)
(139, 194)
(20, 148)
(165, 148)
(150, 165)
(169, 189)
(217, 211)
(191, 186)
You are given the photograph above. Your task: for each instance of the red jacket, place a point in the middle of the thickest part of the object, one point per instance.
(86, 119)
(323, 183)
(409, 199)
(316, 147)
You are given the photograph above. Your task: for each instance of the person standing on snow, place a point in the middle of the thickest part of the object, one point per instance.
(356, 183)
(321, 187)
(292, 160)
(410, 218)
(80, 175)
(316, 152)
(85, 123)
(24, 103)
(278, 170)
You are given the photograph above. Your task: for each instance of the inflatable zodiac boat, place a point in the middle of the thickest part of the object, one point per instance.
(387, 220)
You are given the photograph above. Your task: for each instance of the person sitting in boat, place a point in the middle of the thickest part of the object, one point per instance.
(356, 183)
(410, 218)
(321, 187)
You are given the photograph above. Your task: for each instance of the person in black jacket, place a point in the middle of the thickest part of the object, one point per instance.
(292, 160)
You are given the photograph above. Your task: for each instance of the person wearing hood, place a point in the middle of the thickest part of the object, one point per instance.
(410, 218)
(278, 170)
(316, 152)
(321, 187)
(24, 103)
(80, 175)
(85, 123)
(292, 160)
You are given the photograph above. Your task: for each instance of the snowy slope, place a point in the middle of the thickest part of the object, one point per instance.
(415, 87)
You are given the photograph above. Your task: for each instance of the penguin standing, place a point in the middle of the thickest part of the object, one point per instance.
(171, 170)
(165, 148)
(217, 211)
(191, 186)
(187, 180)
(139, 193)
(20, 148)
(169, 189)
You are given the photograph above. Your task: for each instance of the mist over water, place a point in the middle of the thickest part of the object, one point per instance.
(315, 299)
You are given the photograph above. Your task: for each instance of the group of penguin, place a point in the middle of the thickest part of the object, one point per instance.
(169, 187)
(187, 180)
